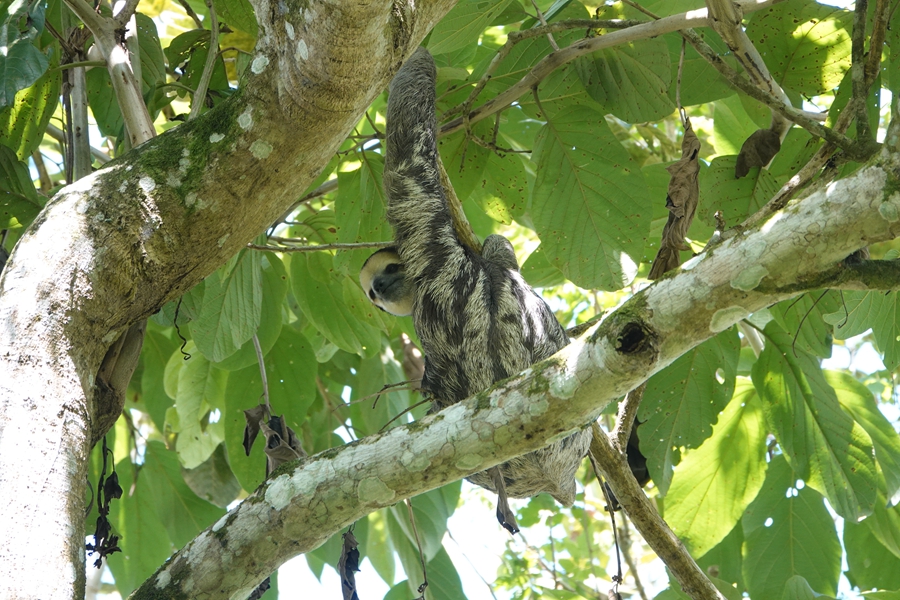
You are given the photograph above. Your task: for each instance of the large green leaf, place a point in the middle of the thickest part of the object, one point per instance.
(180, 510)
(715, 483)
(700, 81)
(726, 558)
(731, 127)
(590, 205)
(806, 45)
(857, 399)
(885, 525)
(158, 348)
(870, 564)
(878, 310)
(431, 511)
(144, 539)
(798, 588)
(803, 317)
(19, 201)
(21, 63)
(630, 80)
(682, 401)
(237, 13)
(231, 310)
(321, 297)
(821, 442)
(502, 190)
(22, 125)
(465, 160)
(463, 25)
(359, 211)
(367, 415)
(787, 532)
(274, 289)
(199, 387)
(736, 198)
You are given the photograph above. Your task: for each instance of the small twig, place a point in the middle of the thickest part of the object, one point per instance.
(625, 536)
(412, 521)
(203, 85)
(125, 13)
(74, 65)
(857, 72)
(543, 21)
(403, 412)
(678, 86)
(190, 12)
(321, 247)
(262, 372)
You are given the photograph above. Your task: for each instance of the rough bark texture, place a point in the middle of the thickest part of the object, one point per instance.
(304, 503)
(111, 249)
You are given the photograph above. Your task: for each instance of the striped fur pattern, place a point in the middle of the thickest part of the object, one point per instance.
(477, 318)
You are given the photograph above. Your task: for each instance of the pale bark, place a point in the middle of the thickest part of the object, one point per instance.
(299, 508)
(111, 249)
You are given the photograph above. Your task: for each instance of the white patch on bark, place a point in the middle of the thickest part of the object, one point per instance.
(261, 149)
(749, 278)
(289, 29)
(163, 579)
(373, 491)
(302, 52)
(245, 119)
(259, 64)
(414, 461)
(216, 137)
(220, 523)
(889, 209)
(469, 461)
(724, 318)
(147, 184)
(221, 240)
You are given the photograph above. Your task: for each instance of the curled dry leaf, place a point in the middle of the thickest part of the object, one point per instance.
(681, 200)
(348, 564)
(757, 151)
(282, 444)
(505, 516)
(254, 417)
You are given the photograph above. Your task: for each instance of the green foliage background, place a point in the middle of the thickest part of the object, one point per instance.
(774, 470)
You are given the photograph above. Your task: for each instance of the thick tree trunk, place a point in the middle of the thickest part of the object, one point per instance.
(110, 250)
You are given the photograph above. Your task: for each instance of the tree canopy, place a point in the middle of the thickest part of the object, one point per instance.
(706, 193)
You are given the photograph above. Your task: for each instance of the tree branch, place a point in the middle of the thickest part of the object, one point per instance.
(304, 503)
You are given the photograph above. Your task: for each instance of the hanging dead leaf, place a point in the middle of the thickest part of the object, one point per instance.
(505, 515)
(348, 564)
(757, 151)
(254, 417)
(681, 200)
(282, 444)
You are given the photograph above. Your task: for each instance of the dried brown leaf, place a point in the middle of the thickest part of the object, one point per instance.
(348, 564)
(253, 417)
(757, 151)
(282, 444)
(681, 200)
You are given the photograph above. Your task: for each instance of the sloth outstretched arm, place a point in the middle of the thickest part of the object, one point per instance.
(477, 318)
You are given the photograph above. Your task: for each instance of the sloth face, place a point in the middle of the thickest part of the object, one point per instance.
(383, 279)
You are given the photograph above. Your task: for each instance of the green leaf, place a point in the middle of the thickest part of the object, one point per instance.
(726, 558)
(463, 24)
(213, 480)
(878, 310)
(371, 377)
(379, 548)
(717, 481)
(180, 510)
(590, 205)
(787, 532)
(700, 81)
(682, 401)
(21, 63)
(630, 80)
(320, 296)
(465, 160)
(359, 210)
(811, 42)
(856, 399)
(444, 583)
(870, 564)
(103, 104)
(797, 588)
(803, 318)
(502, 190)
(431, 511)
(155, 354)
(823, 444)
(274, 290)
(736, 198)
(200, 388)
(144, 541)
(237, 13)
(19, 201)
(231, 311)
(731, 127)
(22, 125)
(538, 271)
(885, 525)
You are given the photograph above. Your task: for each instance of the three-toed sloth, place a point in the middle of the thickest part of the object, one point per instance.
(477, 318)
